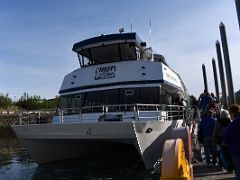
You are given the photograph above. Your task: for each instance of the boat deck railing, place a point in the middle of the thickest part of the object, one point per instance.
(126, 111)
(120, 112)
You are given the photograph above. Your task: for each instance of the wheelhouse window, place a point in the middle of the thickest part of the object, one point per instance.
(109, 53)
(128, 51)
(84, 59)
(104, 54)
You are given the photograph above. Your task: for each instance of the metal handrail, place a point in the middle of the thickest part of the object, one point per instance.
(140, 111)
(35, 116)
(173, 112)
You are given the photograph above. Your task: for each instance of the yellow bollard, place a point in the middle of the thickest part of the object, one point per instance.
(174, 162)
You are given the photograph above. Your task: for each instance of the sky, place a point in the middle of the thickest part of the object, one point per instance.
(36, 38)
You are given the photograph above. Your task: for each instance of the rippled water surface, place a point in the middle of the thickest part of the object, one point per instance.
(16, 164)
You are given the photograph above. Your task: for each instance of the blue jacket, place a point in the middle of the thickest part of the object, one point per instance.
(231, 136)
(205, 101)
(207, 125)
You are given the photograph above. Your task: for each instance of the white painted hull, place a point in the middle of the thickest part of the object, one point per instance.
(54, 142)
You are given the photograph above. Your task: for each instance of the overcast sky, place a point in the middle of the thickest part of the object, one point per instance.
(36, 38)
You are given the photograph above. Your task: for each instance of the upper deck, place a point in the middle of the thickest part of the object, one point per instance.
(116, 61)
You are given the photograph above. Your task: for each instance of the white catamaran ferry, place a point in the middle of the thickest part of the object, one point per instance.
(122, 94)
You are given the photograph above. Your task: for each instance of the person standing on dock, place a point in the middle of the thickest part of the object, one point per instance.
(194, 106)
(207, 125)
(232, 137)
(224, 157)
(204, 101)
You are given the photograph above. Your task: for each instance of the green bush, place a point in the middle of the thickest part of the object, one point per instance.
(36, 102)
(27, 102)
(5, 102)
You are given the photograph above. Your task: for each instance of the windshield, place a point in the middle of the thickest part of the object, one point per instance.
(109, 53)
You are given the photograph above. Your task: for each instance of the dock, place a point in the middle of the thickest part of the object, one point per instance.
(202, 172)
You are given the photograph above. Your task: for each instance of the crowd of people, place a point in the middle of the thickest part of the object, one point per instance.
(219, 133)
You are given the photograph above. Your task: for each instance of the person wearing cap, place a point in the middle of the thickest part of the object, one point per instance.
(207, 125)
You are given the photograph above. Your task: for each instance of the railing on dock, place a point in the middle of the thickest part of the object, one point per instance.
(117, 112)
(31, 117)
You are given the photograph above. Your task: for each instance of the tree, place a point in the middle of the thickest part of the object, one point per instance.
(29, 102)
(50, 103)
(36, 102)
(5, 101)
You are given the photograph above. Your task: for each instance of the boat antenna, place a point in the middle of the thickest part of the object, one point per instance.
(150, 32)
(131, 24)
(150, 36)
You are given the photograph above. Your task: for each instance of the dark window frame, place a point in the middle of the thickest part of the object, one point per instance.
(87, 54)
(120, 97)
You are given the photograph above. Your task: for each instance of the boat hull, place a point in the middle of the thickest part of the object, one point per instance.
(48, 143)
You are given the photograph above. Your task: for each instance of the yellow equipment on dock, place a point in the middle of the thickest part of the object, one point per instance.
(176, 157)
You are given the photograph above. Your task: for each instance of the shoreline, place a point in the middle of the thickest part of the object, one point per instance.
(6, 131)
(31, 117)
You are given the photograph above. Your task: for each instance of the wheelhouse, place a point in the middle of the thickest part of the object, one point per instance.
(113, 48)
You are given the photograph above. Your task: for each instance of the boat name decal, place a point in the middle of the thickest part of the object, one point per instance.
(171, 77)
(105, 72)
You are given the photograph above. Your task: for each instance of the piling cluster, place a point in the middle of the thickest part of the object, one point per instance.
(227, 99)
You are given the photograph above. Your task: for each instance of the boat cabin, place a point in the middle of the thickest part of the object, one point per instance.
(103, 84)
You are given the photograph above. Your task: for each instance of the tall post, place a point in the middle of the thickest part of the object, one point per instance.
(221, 73)
(215, 78)
(204, 77)
(231, 94)
(237, 2)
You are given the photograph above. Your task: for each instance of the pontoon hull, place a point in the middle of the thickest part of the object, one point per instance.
(54, 142)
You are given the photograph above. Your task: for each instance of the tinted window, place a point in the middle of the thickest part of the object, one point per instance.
(63, 101)
(109, 97)
(79, 100)
(67, 102)
(128, 52)
(149, 96)
(105, 54)
(92, 99)
(129, 96)
(109, 53)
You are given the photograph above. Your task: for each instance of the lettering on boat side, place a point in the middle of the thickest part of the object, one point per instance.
(105, 72)
(171, 77)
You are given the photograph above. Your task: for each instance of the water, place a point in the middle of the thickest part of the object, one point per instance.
(16, 164)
